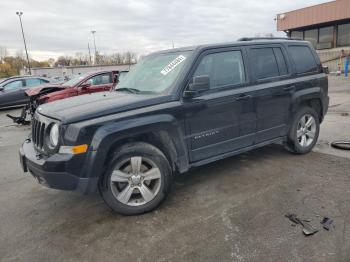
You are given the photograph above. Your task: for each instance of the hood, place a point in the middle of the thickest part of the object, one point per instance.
(89, 106)
(36, 90)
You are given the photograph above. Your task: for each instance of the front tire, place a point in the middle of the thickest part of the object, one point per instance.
(304, 131)
(137, 180)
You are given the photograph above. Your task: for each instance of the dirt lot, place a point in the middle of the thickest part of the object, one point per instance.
(232, 210)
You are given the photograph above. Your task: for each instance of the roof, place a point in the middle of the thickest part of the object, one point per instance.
(318, 14)
(243, 42)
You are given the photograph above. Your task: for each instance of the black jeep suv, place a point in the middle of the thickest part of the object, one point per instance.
(175, 110)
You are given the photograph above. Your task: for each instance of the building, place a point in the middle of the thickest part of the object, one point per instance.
(71, 71)
(326, 26)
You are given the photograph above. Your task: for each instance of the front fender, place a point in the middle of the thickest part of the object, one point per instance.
(108, 135)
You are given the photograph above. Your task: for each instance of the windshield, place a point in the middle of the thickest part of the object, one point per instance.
(155, 73)
(75, 80)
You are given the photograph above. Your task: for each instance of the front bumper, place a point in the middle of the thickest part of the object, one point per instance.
(55, 171)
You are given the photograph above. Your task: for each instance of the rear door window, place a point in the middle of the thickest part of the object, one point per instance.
(43, 81)
(303, 59)
(264, 63)
(32, 82)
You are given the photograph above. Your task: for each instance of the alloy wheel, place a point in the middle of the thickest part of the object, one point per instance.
(306, 130)
(135, 181)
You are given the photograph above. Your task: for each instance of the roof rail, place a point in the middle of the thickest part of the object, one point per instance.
(267, 38)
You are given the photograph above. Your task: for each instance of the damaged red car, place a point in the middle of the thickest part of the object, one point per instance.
(83, 84)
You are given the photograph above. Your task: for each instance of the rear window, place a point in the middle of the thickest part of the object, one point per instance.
(303, 59)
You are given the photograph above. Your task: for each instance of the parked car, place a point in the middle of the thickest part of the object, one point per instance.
(12, 90)
(176, 110)
(82, 84)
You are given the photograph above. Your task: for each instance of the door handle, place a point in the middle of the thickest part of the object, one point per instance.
(243, 97)
(289, 88)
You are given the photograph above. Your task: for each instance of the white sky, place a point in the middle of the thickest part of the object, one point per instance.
(54, 28)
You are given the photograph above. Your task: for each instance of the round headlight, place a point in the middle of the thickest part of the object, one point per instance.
(54, 134)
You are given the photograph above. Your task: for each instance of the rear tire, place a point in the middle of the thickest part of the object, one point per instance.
(137, 180)
(304, 132)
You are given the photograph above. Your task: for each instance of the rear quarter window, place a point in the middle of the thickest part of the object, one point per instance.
(303, 59)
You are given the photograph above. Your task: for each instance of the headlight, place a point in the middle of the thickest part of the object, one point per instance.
(54, 134)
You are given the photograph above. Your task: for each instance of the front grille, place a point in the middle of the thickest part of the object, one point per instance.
(38, 133)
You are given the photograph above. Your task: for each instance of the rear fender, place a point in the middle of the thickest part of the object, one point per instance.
(306, 95)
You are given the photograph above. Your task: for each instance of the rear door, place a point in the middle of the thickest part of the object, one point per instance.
(271, 74)
(99, 83)
(13, 94)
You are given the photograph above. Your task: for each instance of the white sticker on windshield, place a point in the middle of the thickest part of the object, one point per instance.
(178, 60)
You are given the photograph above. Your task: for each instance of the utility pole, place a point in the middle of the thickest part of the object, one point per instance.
(173, 44)
(89, 54)
(93, 34)
(24, 40)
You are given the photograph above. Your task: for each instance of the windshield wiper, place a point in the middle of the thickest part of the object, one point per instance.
(130, 90)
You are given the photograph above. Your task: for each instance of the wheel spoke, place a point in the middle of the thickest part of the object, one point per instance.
(310, 134)
(119, 176)
(299, 133)
(146, 193)
(136, 164)
(152, 174)
(310, 122)
(303, 140)
(125, 195)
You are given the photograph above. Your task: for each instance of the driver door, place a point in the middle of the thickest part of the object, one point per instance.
(97, 83)
(222, 119)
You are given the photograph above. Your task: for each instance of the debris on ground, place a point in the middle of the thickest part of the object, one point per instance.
(308, 229)
(344, 145)
(19, 119)
(326, 223)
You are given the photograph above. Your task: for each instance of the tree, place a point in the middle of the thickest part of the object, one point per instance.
(17, 63)
(63, 61)
(6, 70)
(51, 62)
(34, 63)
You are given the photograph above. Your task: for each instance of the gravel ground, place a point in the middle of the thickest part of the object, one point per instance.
(231, 210)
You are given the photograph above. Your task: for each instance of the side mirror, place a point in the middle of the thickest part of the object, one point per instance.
(85, 85)
(1, 89)
(199, 84)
